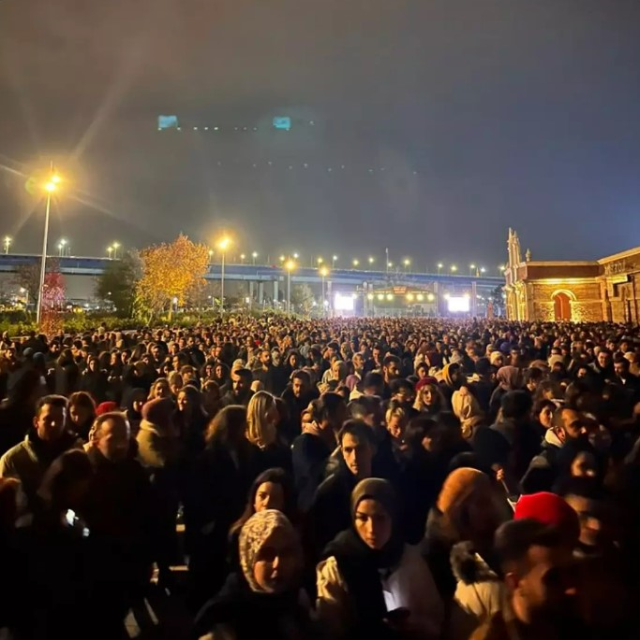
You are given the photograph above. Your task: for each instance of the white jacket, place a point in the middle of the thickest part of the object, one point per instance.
(421, 596)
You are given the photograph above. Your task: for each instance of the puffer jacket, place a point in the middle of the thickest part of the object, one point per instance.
(479, 592)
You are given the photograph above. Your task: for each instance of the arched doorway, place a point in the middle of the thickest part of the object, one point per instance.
(561, 307)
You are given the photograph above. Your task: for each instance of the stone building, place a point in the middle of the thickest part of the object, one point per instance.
(584, 291)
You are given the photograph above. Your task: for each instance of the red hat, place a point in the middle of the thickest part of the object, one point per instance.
(549, 509)
(106, 407)
(425, 381)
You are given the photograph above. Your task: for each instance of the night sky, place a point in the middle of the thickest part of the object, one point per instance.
(428, 126)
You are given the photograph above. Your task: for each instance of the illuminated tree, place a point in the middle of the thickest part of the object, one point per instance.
(53, 298)
(171, 272)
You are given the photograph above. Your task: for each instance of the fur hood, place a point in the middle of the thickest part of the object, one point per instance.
(467, 565)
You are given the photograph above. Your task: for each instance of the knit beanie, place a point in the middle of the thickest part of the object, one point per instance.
(158, 412)
(106, 407)
(549, 509)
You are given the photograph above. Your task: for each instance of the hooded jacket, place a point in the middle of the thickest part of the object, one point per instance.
(479, 592)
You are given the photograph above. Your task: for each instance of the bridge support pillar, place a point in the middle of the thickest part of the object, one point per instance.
(474, 299)
(250, 294)
(275, 291)
(260, 293)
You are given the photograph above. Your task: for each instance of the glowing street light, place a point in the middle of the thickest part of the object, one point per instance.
(295, 256)
(389, 265)
(483, 270)
(282, 258)
(502, 268)
(290, 265)
(472, 268)
(210, 256)
(110, 252)
(453, 268)
(254, 255)
(407, 263)
(320, 260)
(356, 262)
(50, 187)
(223, 245)
(242, 258)
(439, 265)
(333, 261)
(62, 247)
(6, 243)
(116, 246)
(371, 259)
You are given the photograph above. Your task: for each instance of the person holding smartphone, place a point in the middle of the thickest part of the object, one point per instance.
(370, 583)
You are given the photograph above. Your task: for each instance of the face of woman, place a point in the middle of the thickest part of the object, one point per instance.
(137, 404)
(584, 466)
(183, 401)
(269, 496)
(278, 562)
(428, 396)
(373, 524)
(218, 372)
(208, 371)
(78, 414)
(161, 391)
(93, 365)
(175, 386)
(546, 417)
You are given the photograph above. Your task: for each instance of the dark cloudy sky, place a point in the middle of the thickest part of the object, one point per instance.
(453, 120)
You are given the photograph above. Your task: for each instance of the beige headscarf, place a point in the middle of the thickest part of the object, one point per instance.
(467, 410)
(255, 533)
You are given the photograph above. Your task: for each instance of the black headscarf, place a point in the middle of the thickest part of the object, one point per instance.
(363, 567)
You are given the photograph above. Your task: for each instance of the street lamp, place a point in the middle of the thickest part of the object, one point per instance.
(472, 268)
(333, 261)
(282, 258)
(371, 259)
(110, 252)
(7, 244)
(356, 262)
(453, 268)
(439, 265)
(116, 246)
(242, 257)
(407, 263)
(389, 265)
(483, 270)
(50, 187)
(254, 255)
(62, 248)
(223, 245)
(295, 256)
(290, 265)
(324, 272)
(320, 260)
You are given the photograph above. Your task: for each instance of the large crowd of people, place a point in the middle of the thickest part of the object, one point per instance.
(371, 479)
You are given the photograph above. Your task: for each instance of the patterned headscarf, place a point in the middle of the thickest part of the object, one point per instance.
(255, 532)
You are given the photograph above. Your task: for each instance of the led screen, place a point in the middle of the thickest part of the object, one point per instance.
(458, 305)
(343, 303)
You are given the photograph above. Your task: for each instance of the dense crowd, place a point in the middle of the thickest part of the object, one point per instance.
(373, 479)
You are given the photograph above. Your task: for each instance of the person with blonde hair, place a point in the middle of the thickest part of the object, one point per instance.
(262, 418)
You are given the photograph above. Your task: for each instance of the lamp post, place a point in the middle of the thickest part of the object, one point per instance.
(407, 264)
(439, 265)
(333, 261)
(356, 263)
(371, 260)
(290, 265)
(223, 246)
(7, 244)
(254, 255)
(62, 248)
(116, 246)
(453, 268)
(472, 268)
(324, 272)
(110, 252)
(51, 186)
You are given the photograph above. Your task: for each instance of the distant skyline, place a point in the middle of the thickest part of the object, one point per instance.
(427, 126)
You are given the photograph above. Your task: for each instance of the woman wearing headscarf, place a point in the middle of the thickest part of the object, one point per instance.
(458, 544)
(371, 584)
(263, 600)
(189, 419)
(133, 403)
(467, 409)
(429, 399)
(508, 379)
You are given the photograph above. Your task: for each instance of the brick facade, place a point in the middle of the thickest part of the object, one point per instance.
(596, 291)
